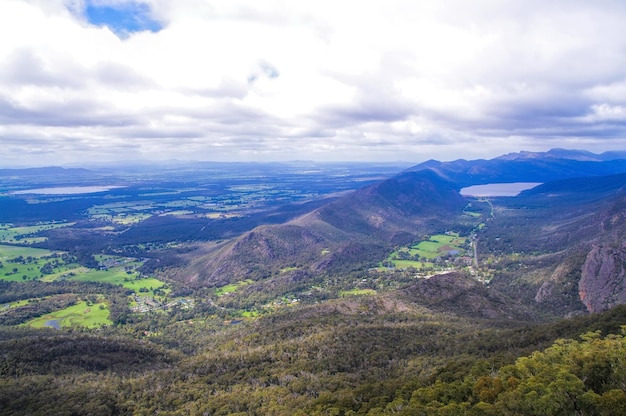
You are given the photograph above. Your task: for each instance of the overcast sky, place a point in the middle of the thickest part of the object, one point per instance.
(239, 80)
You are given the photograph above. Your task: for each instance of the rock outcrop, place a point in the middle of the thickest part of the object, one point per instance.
(602, 285)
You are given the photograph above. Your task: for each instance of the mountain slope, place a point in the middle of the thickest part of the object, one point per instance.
(354, 231)
(456, 293)
(568, 237)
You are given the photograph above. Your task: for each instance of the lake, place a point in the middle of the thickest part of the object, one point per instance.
(66, 190)
(498, 189)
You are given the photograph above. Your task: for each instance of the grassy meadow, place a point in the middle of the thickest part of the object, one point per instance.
(79, 315)
(357, 292)
(426, 254)
(22, 263)
(10, 252)
(26, 235)
(232, 287)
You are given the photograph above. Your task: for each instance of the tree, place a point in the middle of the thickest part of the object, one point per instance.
(569, 378)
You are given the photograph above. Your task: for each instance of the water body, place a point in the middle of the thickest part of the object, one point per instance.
(66, 190)
(53, 323)
(498, 189)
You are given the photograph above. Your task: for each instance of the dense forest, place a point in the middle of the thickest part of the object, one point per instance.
(365, 356)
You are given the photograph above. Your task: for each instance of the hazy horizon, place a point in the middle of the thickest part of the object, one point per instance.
(149, 80)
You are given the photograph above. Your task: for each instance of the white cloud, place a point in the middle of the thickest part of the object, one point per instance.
(239, 79)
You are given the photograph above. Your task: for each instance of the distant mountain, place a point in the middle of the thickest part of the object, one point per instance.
(581, 155)
(613, 155)
(553, 165)
(51, 170)
(570, 191)
(391, 210)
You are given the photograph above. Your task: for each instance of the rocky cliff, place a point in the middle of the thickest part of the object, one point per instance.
(602, 284)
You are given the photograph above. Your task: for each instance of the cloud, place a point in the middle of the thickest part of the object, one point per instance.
(263, 69)
(238, 79)
(30, 67)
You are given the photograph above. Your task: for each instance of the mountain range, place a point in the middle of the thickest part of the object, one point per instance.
(565, 235)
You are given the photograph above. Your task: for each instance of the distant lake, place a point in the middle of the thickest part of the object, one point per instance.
(66, 190)
(498, 189)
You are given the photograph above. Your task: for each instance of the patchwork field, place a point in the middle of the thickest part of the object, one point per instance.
(79, 315)
(25, 263)
(18, 264)
(438, 251)
(118, 276)
(230, 288)
(27, 234)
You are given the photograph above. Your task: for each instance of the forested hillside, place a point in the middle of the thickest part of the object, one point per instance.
(365, 356)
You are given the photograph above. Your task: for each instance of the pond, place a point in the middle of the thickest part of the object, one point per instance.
(53, 323)
(498, 189)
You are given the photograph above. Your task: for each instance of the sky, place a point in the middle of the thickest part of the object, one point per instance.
(85, 81)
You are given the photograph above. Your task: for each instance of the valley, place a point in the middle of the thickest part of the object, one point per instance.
(293, 289)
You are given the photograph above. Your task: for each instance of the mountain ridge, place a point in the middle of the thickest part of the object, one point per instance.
(556, 164)
(368, 221)
(553, 227)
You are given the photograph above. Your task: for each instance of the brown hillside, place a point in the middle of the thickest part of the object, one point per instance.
(353, 231)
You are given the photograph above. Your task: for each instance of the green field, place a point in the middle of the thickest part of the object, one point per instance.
(126, 219)
(25, 235)
(118, 276)
(407, 264)
(10, 252)
(122, 212)
(425, 253)
(121, 270)
(19, 303)
(145, 286)
(357, 292)
(230, 288)
(30, 265)
(66, 271)
(79, 315)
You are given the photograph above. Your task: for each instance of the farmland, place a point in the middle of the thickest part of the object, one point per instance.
(20, 264)
(232, 287)
(80, 315)
(66, 235)
(25, 263)
(145, 286)
(436, 252)
(27, 235)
